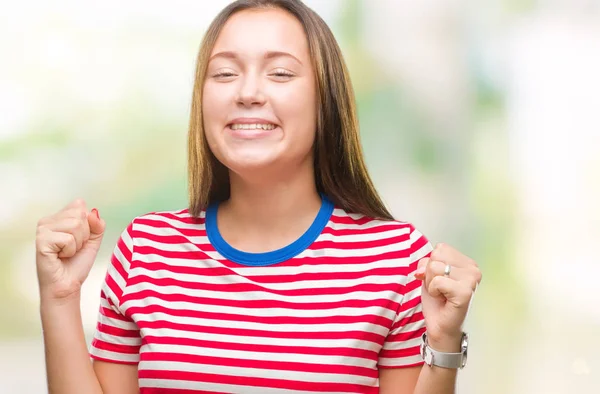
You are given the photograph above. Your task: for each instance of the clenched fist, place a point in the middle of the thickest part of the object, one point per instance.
(66, 246)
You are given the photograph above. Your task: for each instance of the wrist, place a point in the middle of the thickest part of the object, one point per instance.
(48, 299)
(445, 343)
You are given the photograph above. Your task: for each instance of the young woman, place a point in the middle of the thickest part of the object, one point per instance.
(286, 274)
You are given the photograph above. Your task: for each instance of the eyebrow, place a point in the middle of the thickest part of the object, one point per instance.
(268, 55)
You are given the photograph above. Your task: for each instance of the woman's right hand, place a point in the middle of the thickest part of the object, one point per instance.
(66, 246)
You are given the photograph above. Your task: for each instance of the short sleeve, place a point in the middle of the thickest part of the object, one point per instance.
(117, 337)
(402, 345)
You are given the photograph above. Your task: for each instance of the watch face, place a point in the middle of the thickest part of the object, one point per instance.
(464, 346)
(427, 356)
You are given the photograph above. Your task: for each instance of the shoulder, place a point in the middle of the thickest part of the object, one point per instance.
(399, 235)
(175, 219)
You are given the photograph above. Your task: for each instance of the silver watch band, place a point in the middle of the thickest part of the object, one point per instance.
(442, 359)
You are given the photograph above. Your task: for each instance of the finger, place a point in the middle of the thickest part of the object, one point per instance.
(434, 268)
(76, 226)
(421, 267)
(448, 254)
(95, 223)
(454, 291)
(61, 244)
(468, 276)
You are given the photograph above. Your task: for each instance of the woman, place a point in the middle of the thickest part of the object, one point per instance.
(286, 273)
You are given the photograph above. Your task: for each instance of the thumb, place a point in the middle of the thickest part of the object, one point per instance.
(97, 225)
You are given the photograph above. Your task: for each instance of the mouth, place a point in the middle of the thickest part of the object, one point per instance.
(252, 126)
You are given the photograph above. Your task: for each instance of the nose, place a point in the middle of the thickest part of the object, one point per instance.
(250, 91)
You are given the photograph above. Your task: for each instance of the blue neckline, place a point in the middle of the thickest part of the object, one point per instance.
(275, 256)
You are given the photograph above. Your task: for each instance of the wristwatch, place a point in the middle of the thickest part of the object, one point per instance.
(445, 360)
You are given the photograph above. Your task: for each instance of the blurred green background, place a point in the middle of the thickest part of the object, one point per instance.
(479, 121)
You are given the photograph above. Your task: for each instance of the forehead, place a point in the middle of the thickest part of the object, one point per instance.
(259, 30)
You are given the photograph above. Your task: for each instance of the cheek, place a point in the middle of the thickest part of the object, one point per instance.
(297, 110)
(214, 110)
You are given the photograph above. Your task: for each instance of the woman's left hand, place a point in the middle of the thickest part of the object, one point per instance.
(446, 298)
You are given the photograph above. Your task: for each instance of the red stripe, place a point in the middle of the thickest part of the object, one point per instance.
(261, 364)
(171, 216)
(357, 245)
(406, 336)
(157, 224)
(395, 274)
(113, 360)
(292, 320)
(118, 332)
(250, 347)
(361, 220)
(251, 287)
(250, 381)
(418, 364)
(111, 314)
(247, 332)
(401, 353)
(163, 390)
(261, 303)
(195, 255)
(115, 347)
(384, 227)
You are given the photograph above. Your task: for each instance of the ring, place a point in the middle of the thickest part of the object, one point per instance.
(447, 270)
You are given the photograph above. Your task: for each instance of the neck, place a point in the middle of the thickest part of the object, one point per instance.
(271, 206)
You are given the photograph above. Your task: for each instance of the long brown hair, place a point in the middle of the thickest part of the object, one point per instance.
(340, 170)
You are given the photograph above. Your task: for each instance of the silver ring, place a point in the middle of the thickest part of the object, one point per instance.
(447, 270)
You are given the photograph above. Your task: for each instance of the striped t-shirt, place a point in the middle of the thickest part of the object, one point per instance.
(320, 315)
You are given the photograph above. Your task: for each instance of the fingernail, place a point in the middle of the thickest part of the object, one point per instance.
(420, 271)
(95, 212)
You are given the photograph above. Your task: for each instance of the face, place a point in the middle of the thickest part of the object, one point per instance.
(259, 97)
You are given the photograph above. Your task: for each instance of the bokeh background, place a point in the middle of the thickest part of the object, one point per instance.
(480, 122)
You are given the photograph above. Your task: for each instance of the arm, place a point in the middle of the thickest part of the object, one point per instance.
(443, 304)
(68, 366)
(66, 246)
(421, 380)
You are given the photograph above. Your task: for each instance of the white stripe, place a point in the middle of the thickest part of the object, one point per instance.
(349, 238)
(299, 376)
(170, 231)
(329, 327)
(329, 252)
(131, 326)
(263, 295)
(107, 354)
(290, 285)
(172, 222)
(265, 312)
(128, 341)
(399, 345)
(218, 387)
(250, 340)
(362, 226)
(414, 293)
(275, 270)
(249, 355)
(401, 361)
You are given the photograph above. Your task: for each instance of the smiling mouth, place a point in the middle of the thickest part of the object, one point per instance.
(252, 126)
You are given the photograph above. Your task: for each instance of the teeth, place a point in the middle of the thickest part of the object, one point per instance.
(245, 126)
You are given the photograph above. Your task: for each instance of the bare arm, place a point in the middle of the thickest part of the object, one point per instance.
(68, 365)
(421, 380)
(66, 246)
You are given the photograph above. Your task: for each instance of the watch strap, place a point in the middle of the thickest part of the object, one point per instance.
(443, 359)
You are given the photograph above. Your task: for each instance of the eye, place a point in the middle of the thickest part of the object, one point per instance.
(282, 74)
(223, 74)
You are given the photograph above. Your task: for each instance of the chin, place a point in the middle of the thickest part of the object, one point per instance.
(249, 164)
